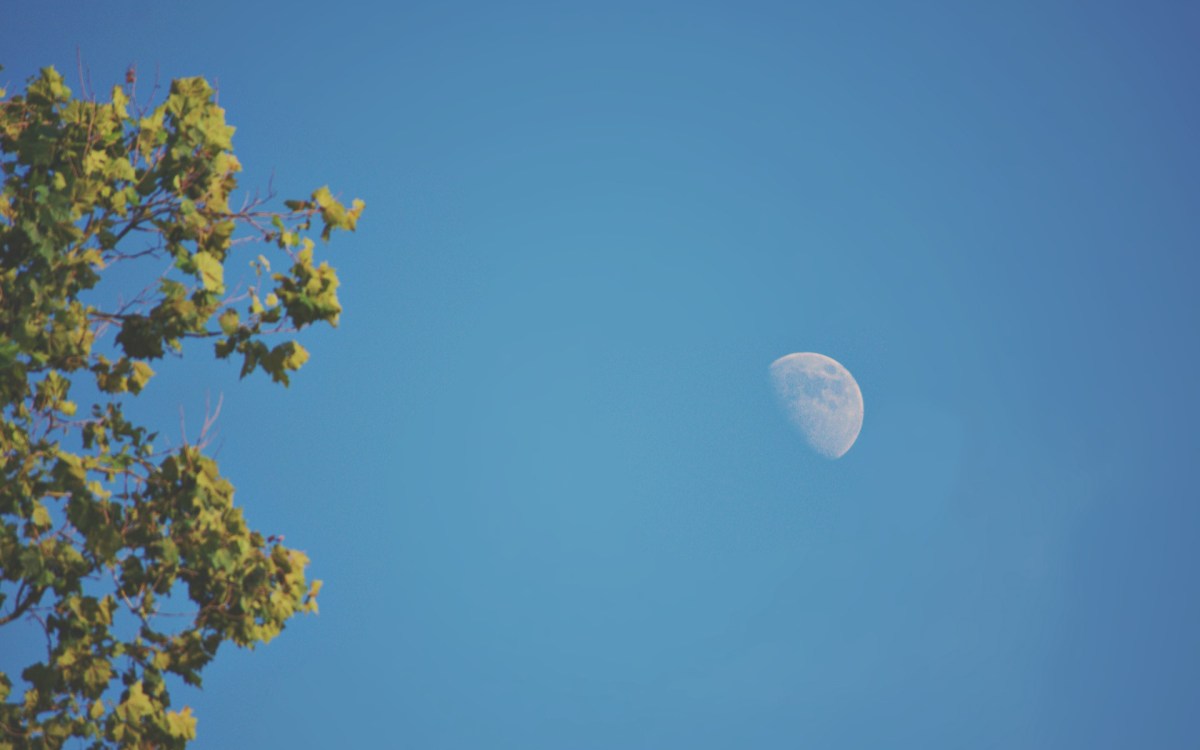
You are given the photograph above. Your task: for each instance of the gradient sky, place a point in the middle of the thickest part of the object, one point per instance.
(539, 465)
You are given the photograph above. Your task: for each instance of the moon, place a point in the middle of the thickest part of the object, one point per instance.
(821, 398)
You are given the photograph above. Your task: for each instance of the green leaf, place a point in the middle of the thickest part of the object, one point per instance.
(85, 187)
(140, 338)
(223, 559)
(229, 321)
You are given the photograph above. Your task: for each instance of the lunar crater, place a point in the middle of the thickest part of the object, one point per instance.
(821, 398)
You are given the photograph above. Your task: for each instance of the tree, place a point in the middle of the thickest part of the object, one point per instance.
(101, 535)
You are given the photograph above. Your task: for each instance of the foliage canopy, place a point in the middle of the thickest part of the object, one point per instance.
(100, 533)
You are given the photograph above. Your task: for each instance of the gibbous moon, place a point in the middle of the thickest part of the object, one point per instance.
(821, 398)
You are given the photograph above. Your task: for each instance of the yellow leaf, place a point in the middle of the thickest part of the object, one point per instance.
(210, 271)
(182, 724)
(94, 161)
(140, 375)
(136, 705)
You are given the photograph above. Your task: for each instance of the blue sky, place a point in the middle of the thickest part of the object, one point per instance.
(539, 465)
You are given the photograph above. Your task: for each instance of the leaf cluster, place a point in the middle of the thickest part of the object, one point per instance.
(100, 534)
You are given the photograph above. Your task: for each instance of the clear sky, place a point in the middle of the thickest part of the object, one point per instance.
(540, 467)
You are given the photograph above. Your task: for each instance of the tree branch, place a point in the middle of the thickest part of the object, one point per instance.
(35, 595)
